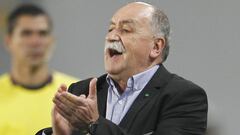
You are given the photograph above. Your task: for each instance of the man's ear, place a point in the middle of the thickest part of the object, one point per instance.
(159, 44)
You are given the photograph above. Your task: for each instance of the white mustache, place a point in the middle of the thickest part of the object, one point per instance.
(117, 46)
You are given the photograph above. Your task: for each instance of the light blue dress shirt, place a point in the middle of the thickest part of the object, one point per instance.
(119, 104)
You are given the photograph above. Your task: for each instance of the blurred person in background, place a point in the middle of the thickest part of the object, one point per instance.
(26, 91)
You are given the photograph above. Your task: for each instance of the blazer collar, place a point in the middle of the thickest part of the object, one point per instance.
(159, 79)
(102, 87)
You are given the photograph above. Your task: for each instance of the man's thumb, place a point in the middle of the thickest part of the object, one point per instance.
(93, 89)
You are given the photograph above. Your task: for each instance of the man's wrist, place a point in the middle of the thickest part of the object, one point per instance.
(92, 127)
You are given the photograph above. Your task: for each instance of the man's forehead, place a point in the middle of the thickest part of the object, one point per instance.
(29, 19)
(34, 22)
(122, 22)
(132, 13)
(134, 21)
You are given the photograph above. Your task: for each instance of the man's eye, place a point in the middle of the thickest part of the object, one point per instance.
(109, 30)
(44, 32)
(125, 30)
(26, 33)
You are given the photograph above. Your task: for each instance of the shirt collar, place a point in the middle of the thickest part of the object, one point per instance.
(138, 81)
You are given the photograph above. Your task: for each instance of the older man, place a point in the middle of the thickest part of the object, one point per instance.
(137, 96)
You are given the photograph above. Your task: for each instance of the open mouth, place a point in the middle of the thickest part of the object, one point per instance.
(113, 52)
(114, 49)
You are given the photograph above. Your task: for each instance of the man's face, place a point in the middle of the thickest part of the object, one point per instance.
(30, 42)
(130, 28)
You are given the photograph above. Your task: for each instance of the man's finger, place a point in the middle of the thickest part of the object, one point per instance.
(73, 98)
(62, 88)
(66, 109)
(93, 89)
(63, 113)
(83, 96)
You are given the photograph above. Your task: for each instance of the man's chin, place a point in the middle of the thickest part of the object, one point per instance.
(113, 72)
(36, 63)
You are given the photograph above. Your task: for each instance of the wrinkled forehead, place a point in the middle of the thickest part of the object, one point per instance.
(133, 12)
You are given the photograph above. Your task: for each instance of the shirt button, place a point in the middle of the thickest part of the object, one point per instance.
(120, 102)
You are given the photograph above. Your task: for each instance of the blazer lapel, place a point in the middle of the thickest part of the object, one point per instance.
(102, 91)
(159, 79)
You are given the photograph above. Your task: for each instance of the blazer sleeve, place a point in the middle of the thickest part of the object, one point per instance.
(45, 131)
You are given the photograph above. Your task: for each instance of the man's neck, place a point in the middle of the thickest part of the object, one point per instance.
(122, 80)
(30, 75)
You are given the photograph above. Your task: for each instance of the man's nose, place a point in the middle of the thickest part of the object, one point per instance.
(36, 40)
(112, 37)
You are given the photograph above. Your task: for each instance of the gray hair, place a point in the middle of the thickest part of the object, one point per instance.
(161, 27)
